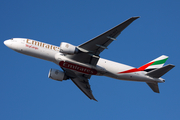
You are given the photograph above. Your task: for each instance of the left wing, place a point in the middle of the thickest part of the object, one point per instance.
(81, 81)
(83, 84)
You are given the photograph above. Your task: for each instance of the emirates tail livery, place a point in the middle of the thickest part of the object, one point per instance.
(80, 62)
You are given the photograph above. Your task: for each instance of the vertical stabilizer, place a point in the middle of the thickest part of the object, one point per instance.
(156, 63)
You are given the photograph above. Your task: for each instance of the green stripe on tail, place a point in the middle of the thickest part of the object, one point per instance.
(159, 62)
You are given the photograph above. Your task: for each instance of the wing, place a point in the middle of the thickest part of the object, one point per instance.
(89, 54)
(101, 42)
(81, 81)
(83, 84)
(92, 48)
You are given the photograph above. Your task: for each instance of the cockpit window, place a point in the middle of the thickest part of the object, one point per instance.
(13, 39)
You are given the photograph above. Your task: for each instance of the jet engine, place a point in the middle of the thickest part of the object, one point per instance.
(57, 75)
(68, 48)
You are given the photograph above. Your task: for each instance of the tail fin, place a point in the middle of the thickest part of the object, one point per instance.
(154, 64)
(155, 69)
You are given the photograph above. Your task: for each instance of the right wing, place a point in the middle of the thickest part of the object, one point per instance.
(101, 42)
(92, 48)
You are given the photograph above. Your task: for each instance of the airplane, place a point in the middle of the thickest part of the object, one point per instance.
(80, 62)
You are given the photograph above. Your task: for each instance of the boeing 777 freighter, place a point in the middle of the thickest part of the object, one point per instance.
(79, 63)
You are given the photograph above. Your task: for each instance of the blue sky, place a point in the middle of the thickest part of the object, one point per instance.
(27, 93)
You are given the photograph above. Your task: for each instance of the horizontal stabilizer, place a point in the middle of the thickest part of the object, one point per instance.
(157, 73)
(154, 87)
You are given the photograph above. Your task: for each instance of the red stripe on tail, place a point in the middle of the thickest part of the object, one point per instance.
(137, 69)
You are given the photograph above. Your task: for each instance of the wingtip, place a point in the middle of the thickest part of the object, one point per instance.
(136, 17)
(94, 99)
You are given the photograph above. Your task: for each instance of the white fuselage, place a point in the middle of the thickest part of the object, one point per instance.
(51, 53)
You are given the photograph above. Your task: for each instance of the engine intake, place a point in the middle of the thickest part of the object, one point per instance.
(68, 48)
(57, 75)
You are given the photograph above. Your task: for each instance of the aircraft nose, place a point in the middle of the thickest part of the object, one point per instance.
(7, 43)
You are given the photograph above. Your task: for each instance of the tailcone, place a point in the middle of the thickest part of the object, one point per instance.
(161, 80)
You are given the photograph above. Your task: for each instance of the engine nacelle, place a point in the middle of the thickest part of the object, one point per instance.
(68, 48)
(57, 75)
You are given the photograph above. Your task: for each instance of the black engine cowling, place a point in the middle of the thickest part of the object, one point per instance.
(68, 48)
(57, 75)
